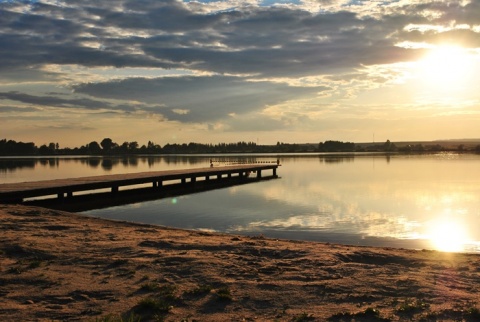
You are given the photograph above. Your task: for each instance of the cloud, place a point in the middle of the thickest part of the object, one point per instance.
(232, 59)
(44, 36)
(256, 123)
(15, 109)
(287, 41)
(206, 98)
(278, 42)
(52, 101)
(272, 41)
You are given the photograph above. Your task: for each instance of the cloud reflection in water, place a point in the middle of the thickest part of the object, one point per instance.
(367, 200)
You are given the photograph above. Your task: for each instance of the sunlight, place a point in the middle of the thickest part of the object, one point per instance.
(446, 66)
(448, 236)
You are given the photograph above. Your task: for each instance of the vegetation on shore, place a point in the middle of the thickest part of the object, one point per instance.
(108, 147)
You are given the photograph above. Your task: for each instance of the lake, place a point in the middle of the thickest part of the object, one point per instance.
(410, 201)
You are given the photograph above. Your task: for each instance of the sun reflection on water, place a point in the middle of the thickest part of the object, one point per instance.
(448, 236)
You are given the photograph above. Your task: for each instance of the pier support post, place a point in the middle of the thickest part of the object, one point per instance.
(259, 174)
(115, 189)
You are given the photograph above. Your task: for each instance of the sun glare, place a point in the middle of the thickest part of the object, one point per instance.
(446, 66)
(448, 236)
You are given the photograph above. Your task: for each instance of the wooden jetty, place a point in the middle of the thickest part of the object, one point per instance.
(65, 188)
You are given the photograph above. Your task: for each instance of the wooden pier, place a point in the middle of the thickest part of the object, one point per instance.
(67, 188)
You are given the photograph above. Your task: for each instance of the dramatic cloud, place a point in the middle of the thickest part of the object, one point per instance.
(53, 101)
(200, 99)
(219, 66)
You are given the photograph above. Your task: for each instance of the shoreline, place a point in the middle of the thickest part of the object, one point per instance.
(57, 266)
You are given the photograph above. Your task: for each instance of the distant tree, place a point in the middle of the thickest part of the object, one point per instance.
(11, 147)
(389, 146)
(52, 146)
(49, 149)
(81, 150)
(132, 146)
(336, 146)
(153, 148)
(94, 147)
(124, 147)
(150, 145)
(44, 150)
(107, 144)
(418, 148)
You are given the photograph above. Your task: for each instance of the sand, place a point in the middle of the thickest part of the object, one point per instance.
(58, 266)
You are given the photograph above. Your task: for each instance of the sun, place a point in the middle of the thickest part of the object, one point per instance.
(446, 66)
(448, 236)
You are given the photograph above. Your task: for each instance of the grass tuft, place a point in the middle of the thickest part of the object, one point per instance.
(150, 287)
(153, 305)
(411, 307)
(117, 318)
(14, 270)
(200, 290)
(303, 317)
(158, 304)
(34, 264)
(369, 314)
(224, 294)
(473, 314)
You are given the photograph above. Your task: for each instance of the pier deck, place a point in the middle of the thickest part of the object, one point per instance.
(18, 192)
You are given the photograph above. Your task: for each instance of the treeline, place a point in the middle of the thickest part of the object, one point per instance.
(11, 147)
(108, 147)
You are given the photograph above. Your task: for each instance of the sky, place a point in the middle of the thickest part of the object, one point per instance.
(263, 71)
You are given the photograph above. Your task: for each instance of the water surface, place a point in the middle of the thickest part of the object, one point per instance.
(428, 201)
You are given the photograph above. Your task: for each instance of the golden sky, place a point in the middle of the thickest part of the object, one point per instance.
(225, 71)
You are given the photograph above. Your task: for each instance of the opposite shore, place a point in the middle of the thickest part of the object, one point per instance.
(107, 147)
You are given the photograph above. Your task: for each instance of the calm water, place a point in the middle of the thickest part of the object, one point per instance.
(429, 201)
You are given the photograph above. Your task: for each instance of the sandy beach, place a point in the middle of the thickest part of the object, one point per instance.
(59, 266)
